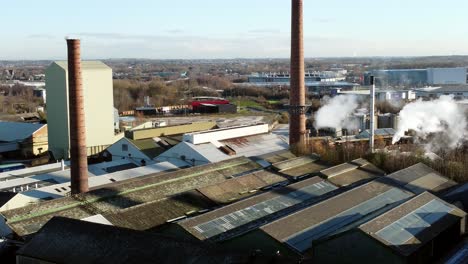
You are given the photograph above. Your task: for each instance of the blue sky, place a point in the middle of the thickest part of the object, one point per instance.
(187, 29)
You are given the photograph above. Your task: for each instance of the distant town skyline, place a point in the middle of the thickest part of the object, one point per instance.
(209, 29)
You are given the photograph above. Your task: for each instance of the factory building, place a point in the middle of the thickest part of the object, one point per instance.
(98, 107)
(418, 77)
(144, 203)
(224, 143)
(295, 234)
(417, 231)
(23, 139)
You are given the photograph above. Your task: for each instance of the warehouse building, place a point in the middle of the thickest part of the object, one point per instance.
(23, 139)
(352, 173)
(225, 143)
(420, 230)
(420, 177)
(232, 221)
(142, 202)
(418, 77)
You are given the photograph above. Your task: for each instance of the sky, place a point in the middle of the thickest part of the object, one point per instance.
(210, 29)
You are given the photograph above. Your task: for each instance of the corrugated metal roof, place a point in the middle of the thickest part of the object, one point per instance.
(246, 146)
(347, 209)
(240, 187)
(353, 172)
(419, 178)
(16, 131)
(253, 212)
(410, 225)
(125, 194)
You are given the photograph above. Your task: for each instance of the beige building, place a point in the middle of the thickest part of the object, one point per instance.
(98, 106)
(22, 139)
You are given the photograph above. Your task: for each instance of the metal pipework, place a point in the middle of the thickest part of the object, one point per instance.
(372, 114)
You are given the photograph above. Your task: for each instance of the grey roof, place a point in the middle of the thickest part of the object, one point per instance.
(412, 224)
(240, 187)
(341, 212)
(85, 65)
(249, 146)
(300, 166)
(353, 172)
(277, 156)
(420, 177)
(125, 194)
(253, 212)
(64, 240)
(16, 131)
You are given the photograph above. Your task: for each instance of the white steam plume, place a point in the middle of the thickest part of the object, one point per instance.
(336, 111)
(442, 121)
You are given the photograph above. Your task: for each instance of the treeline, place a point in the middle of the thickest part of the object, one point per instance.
(129, 94)
(451, 163)
(18, 99)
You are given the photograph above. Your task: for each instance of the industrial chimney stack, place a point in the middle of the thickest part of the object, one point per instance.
(79, 161)
(297, 106)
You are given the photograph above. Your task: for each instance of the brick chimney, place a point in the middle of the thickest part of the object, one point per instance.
(78, 153)
(297, 106)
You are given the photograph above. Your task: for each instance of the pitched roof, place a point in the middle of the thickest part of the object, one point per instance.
(125, 194)
(300, 166)
(420, 177)
(356, 171)
(248, 214)
(412, 224)
(16, 131)
(240, 187)
(345, 210)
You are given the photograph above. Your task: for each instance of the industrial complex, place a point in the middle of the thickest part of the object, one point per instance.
(340, 163)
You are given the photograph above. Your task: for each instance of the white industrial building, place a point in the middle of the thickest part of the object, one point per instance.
(226, 143)
(98, 107)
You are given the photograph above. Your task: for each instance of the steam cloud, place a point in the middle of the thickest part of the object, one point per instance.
(336, 111)
(442, 122)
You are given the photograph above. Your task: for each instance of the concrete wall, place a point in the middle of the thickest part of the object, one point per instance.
(98, 103)
(57, 110)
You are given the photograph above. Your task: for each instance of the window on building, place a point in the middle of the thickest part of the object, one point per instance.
(124, 147)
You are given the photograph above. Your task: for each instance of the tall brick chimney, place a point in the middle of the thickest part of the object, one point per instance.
(79, 160)
(297, 106)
